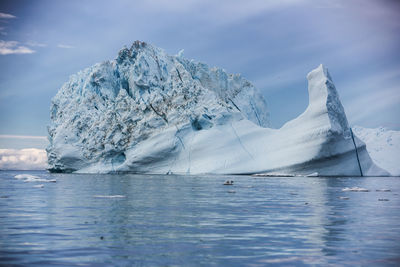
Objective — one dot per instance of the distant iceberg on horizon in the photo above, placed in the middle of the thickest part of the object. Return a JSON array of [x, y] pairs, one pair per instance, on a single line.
[[149, 112]]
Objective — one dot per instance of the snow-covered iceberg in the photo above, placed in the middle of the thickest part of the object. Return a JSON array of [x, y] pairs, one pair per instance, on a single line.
[[383, 145], [149, 112]]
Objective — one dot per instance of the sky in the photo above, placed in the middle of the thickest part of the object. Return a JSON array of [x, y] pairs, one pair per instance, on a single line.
[[274, 44]]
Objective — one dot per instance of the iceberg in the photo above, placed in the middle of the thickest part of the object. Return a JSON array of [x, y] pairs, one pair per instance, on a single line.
[[383, 145], [150, 112]]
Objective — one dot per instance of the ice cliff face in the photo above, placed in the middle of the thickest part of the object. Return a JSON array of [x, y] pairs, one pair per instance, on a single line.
[[149, 112]]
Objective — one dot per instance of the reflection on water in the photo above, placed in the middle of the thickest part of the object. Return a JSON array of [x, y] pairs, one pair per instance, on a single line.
[[157, 220]]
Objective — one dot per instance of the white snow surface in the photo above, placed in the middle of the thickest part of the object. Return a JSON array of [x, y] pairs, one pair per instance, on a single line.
[[383, 145], [148, 112]]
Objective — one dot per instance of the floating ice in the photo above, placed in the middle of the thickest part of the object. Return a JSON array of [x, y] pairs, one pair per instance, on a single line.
[[33, 178], [108, 196], [149, 112], [355, 189], [383, 190], [26, 176]]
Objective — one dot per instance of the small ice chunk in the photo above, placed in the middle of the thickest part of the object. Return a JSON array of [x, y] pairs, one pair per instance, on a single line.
[[109, 196], [33, 178], [344, 198], [26, 176], [355, 189], [40, 180], [39, 186], [274, 174]]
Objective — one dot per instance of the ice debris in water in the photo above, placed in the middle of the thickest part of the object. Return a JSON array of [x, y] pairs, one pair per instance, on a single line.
[[26, 176], [108, 196], [355, 189], [33, 178]]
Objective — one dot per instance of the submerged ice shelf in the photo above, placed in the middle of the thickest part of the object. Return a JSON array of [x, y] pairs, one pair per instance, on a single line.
[[149, 112]]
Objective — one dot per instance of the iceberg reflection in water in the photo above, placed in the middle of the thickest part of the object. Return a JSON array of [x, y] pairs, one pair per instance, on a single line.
[[157, 220]]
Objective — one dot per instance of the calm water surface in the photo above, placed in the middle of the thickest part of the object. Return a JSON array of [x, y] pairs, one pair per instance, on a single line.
[[167, 220]]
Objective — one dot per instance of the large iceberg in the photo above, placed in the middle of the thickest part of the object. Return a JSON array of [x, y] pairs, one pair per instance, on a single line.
[[149, 112]]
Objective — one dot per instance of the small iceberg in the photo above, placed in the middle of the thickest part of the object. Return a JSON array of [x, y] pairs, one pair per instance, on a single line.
[[355, 189]]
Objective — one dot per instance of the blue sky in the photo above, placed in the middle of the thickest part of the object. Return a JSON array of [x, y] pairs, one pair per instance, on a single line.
[[274, 44]]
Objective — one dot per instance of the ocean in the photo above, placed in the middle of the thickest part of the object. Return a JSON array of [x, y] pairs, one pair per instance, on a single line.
[[175, 220]]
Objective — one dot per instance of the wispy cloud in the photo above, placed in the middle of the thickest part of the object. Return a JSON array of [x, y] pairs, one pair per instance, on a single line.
[[23, 159], [375, 101], [3, 31], [6, 16], [23, 136], [220, 12], [328, 4], [370, 97], [13, 47], [65, 46], [36, 44]]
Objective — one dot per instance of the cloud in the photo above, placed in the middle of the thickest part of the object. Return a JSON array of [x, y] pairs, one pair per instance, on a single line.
[[12, 47], [328, 4], [23, 159], [2, 31], [36, 44], [6, 16], [223, 12], [370, 105], [376, 97], [23, 136], [65, 46]]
